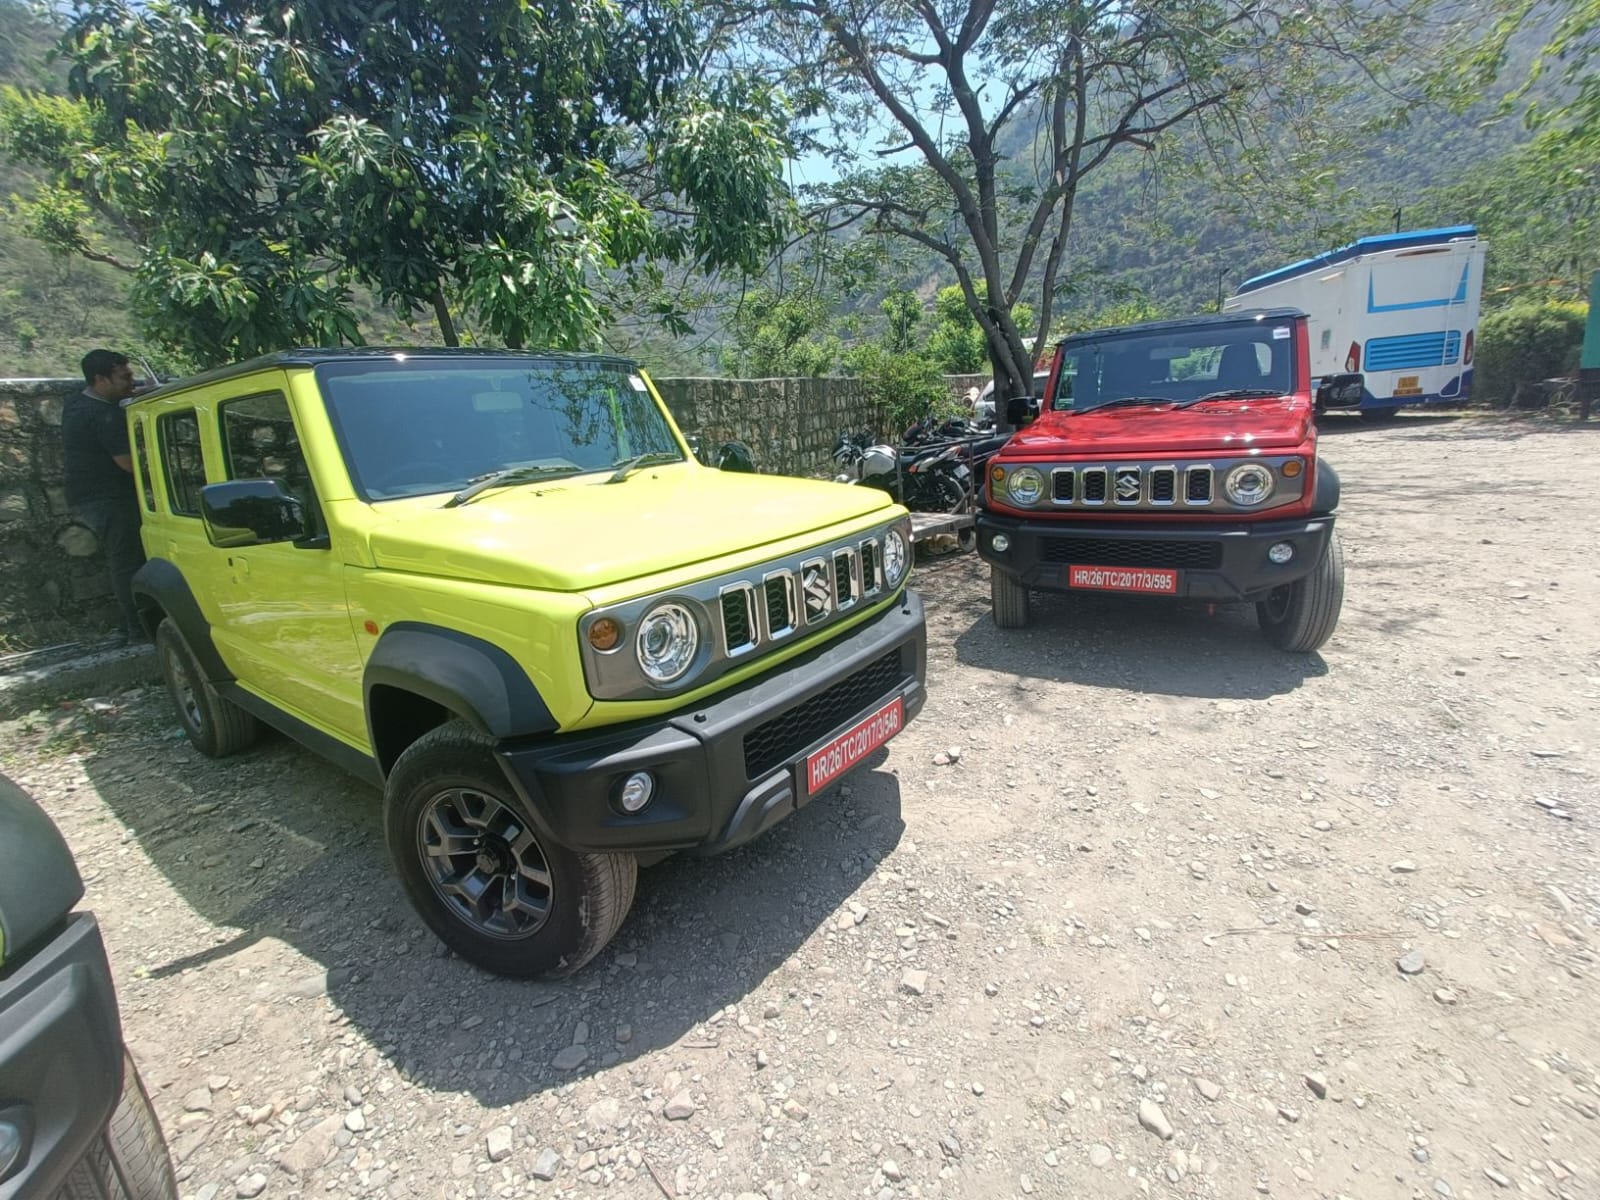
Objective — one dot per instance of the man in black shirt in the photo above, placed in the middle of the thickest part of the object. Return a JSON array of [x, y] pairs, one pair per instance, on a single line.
[[99, 467]]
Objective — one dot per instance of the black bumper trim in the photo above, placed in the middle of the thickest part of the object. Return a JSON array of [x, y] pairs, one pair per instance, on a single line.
[[1242, 572], [705, 800], [60, 1054]]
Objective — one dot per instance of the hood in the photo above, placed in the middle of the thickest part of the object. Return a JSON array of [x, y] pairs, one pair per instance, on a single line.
[[1271, 424], [575, 534]]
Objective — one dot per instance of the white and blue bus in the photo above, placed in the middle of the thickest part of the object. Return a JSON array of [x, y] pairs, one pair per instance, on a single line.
[[1399, 308]]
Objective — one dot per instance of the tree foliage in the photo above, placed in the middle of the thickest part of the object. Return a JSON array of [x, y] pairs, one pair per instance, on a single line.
[[939, 83], [781, 336], [508, 164]]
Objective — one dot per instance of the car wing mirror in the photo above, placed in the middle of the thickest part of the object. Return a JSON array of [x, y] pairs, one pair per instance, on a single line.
[[1020, 410], [1340, 391], [252, 512], [736, 456]]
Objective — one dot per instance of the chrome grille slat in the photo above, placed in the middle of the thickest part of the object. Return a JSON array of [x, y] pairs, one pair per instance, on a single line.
[[740, 631], [778, 612], [846, 578], [1063, 485], [1198, 485], [1093, 486], [1163, 485], [871, 568]]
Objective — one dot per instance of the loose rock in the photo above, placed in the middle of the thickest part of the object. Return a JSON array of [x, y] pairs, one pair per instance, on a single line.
[[497, 1143], [1410, 963], [1153, 1119], [680, 1107]]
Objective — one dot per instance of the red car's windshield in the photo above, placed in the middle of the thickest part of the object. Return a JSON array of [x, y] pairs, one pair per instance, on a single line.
[[1250, 358]]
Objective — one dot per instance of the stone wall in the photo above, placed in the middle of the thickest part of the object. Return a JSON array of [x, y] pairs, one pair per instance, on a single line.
[[53, 584]]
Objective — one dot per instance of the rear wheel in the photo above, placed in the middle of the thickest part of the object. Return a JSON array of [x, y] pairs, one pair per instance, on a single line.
[[138, 1150], [1301, 616], [216, 726], [1008, 599], [480, 875]]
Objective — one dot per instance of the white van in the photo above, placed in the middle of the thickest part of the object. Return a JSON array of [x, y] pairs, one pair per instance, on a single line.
[[1400, 309]]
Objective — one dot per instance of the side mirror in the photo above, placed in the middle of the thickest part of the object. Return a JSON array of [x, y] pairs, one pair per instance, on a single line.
[[1020, 410], [1340, 391], [736, 456], [251, 512], [694, 445]]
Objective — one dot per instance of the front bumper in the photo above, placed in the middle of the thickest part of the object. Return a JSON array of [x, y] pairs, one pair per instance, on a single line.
[[60, 1057], [729, 769], [1214, 561]]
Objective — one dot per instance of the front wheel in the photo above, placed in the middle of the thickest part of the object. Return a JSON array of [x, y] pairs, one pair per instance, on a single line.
[[1008, 599], [479, 874], [138, 1150], [1301, 616], [215, 725]]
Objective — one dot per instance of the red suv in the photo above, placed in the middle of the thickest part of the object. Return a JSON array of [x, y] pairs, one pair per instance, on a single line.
[[1175, 458]]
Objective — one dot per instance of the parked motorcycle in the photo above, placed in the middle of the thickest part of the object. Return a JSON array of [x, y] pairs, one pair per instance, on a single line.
[[930, 479]]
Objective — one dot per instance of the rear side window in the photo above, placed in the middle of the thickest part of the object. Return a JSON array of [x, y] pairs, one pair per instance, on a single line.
[[182, 463], [141, 461]]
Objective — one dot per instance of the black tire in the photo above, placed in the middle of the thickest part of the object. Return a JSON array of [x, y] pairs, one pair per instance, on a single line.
[[948, 496], [216, 726], [1301, 616], [138, 1150], [450, 775], [1008, 599]]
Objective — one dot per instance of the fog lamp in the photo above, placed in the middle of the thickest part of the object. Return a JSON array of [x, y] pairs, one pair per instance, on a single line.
[[637, 790], [1280, 552], [1000, 543]]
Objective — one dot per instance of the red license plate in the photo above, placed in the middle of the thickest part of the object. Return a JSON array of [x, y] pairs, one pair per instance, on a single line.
[[1160, 580], [854, 744]]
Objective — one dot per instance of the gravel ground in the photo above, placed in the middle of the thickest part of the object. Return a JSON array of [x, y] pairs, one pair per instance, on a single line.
[[1138, 905]]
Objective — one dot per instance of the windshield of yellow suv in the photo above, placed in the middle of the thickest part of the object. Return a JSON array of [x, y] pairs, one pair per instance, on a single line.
[[415, 426], [1176, 365]]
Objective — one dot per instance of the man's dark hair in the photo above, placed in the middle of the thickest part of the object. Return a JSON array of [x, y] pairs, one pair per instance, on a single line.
[[98, 363]]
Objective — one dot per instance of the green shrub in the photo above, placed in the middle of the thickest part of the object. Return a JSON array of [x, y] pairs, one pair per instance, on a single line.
[[1523, 344], [903, 387]]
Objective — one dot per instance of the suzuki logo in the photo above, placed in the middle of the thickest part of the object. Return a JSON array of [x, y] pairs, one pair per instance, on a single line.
[[1128, 484], [814, 585]]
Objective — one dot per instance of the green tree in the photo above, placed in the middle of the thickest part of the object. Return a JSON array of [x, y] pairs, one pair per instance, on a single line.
[[943, 84], [248, 162], [781, 336]]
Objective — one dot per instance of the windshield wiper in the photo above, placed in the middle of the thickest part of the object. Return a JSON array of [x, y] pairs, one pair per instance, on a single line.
[[495, 479], [1125, 402], [1229, 394], [642, 460]]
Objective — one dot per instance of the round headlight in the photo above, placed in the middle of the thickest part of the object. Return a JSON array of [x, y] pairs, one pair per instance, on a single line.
[[1025, 485], [896, 557], [1248, 484], [668, 638]]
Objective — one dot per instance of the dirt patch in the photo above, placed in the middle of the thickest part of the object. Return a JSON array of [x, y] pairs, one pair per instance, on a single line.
[[1123, 911]]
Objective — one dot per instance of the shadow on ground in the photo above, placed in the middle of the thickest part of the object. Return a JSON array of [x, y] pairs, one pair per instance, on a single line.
[[1131, 643], [278, 845]]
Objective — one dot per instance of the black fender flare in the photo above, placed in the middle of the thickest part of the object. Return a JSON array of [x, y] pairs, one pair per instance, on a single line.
[[472, 678], [160, 582], [1326, 496]]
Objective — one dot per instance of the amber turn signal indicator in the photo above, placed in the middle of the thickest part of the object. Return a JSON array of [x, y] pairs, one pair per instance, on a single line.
[[1291, 468], [605, 633]]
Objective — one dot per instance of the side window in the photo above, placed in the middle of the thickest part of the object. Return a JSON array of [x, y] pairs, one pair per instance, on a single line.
[[183, 465], [259, 442], [141, 465]]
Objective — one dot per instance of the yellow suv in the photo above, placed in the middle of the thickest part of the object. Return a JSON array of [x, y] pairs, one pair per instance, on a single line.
[[501, 587]]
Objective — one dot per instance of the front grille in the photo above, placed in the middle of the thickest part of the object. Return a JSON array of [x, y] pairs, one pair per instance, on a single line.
[[778, 592], [869, 568], [1197, 489], [1163, 485], [1118, 552], [785, 735], [1094, 485], [738, 619], [1062, 486], [844, 589]]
